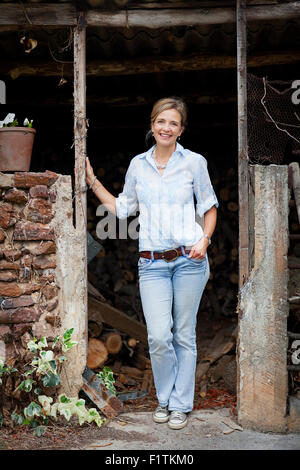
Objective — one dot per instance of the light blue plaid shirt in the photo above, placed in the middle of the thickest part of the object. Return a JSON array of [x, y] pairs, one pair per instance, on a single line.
[[166, 202]]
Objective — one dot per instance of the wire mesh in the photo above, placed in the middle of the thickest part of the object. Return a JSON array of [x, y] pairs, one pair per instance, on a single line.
[[273, 120]]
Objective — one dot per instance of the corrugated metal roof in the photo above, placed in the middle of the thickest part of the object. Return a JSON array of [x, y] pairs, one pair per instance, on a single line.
[[118, 43]]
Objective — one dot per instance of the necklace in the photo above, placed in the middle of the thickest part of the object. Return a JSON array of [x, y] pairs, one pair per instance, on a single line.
[[158, 165]]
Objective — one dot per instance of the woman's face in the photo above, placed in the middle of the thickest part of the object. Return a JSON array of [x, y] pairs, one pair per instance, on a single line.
[[167, 127]]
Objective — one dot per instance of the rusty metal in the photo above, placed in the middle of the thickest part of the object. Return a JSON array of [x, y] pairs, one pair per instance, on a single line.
[[96, 391]]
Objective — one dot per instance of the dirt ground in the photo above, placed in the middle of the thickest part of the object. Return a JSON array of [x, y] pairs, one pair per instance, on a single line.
[[65, 435]]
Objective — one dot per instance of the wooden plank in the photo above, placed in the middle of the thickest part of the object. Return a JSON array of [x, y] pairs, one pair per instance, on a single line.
[[202, 16], [65, 14], [41, 14], [147, 65], [117, 319], [80, 131], [262, 342], [242, 141]]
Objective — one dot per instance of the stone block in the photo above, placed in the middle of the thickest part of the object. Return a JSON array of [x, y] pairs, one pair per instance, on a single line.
[[20, 329], [52, 304], [38, 210], [5, 333], [19, 315], [27, 180], [49, 291], [8, 265], [39, 191], [12, 289], [15, 302], [43, 248], [8, 215], [33, 231], [6, 180], [43, 262], [12, 255], [8, 276], [17, 196]]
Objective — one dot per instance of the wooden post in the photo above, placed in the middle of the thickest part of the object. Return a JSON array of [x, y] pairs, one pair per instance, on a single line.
[[242, 140], [262, 337], [80, 133]]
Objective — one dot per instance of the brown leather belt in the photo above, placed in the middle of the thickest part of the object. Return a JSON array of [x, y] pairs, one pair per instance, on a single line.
[[166, 255]]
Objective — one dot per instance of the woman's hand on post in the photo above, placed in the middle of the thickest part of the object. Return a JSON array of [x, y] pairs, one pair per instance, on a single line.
[[89, 172], [198, 251]]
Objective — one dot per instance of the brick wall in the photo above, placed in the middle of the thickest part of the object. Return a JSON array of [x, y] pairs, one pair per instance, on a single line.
[[28, 287]]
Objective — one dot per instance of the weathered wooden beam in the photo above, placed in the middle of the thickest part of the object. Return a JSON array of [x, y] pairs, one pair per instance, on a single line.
[[171, 17], [146, 65], [80, 133], [126, 101], [263, 307], [38, 14], [243, 182], [194, 5], [65, 15], [117, 319]]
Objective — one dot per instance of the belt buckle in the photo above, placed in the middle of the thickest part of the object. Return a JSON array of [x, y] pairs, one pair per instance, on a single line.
[[173, 259]]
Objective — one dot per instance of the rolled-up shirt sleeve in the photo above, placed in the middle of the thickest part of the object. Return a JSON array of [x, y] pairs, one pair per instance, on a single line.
[[203, 189], [127, 202]]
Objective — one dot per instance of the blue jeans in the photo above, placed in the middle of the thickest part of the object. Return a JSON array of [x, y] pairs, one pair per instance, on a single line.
[[172, 338]]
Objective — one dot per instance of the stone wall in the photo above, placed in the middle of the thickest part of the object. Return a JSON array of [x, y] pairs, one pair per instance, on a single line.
[[28, 291], [42, 287]]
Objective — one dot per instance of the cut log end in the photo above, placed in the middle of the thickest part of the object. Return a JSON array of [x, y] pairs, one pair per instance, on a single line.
[[113, 343], [97, 353]]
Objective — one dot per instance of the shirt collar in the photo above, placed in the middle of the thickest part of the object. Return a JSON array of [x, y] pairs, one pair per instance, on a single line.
[[178, 149]]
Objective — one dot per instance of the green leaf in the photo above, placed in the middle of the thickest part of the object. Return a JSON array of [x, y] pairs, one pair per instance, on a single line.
[[39, 431], [34, 424], [26, 385], [66, 413], [1, 419], [53, 365], [37, 391], [17, 419], [80, 402], [51, 380], [64, 399], [32, 410], [67, 334], [28, 372]]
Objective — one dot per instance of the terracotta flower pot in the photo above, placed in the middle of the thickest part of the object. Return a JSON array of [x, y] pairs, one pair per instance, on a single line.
[[16, 148]]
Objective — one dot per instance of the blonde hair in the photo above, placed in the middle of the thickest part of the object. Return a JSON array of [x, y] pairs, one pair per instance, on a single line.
[[161, 105]]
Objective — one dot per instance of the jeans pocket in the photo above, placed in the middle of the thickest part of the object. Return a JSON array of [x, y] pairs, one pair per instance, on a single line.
[[144, 263], [196, 261]]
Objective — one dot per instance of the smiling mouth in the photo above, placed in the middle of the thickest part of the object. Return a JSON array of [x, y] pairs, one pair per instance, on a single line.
[[165, 135]]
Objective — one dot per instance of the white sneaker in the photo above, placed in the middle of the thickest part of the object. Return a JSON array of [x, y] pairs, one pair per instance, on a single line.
[[177, 420], [161, 414]]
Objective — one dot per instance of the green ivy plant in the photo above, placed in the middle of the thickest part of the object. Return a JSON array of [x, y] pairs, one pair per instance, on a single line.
[[43, 372], [107, 378], [11, 121]]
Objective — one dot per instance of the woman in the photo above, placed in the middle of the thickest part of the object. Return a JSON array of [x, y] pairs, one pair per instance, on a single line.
[[173, 265]]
